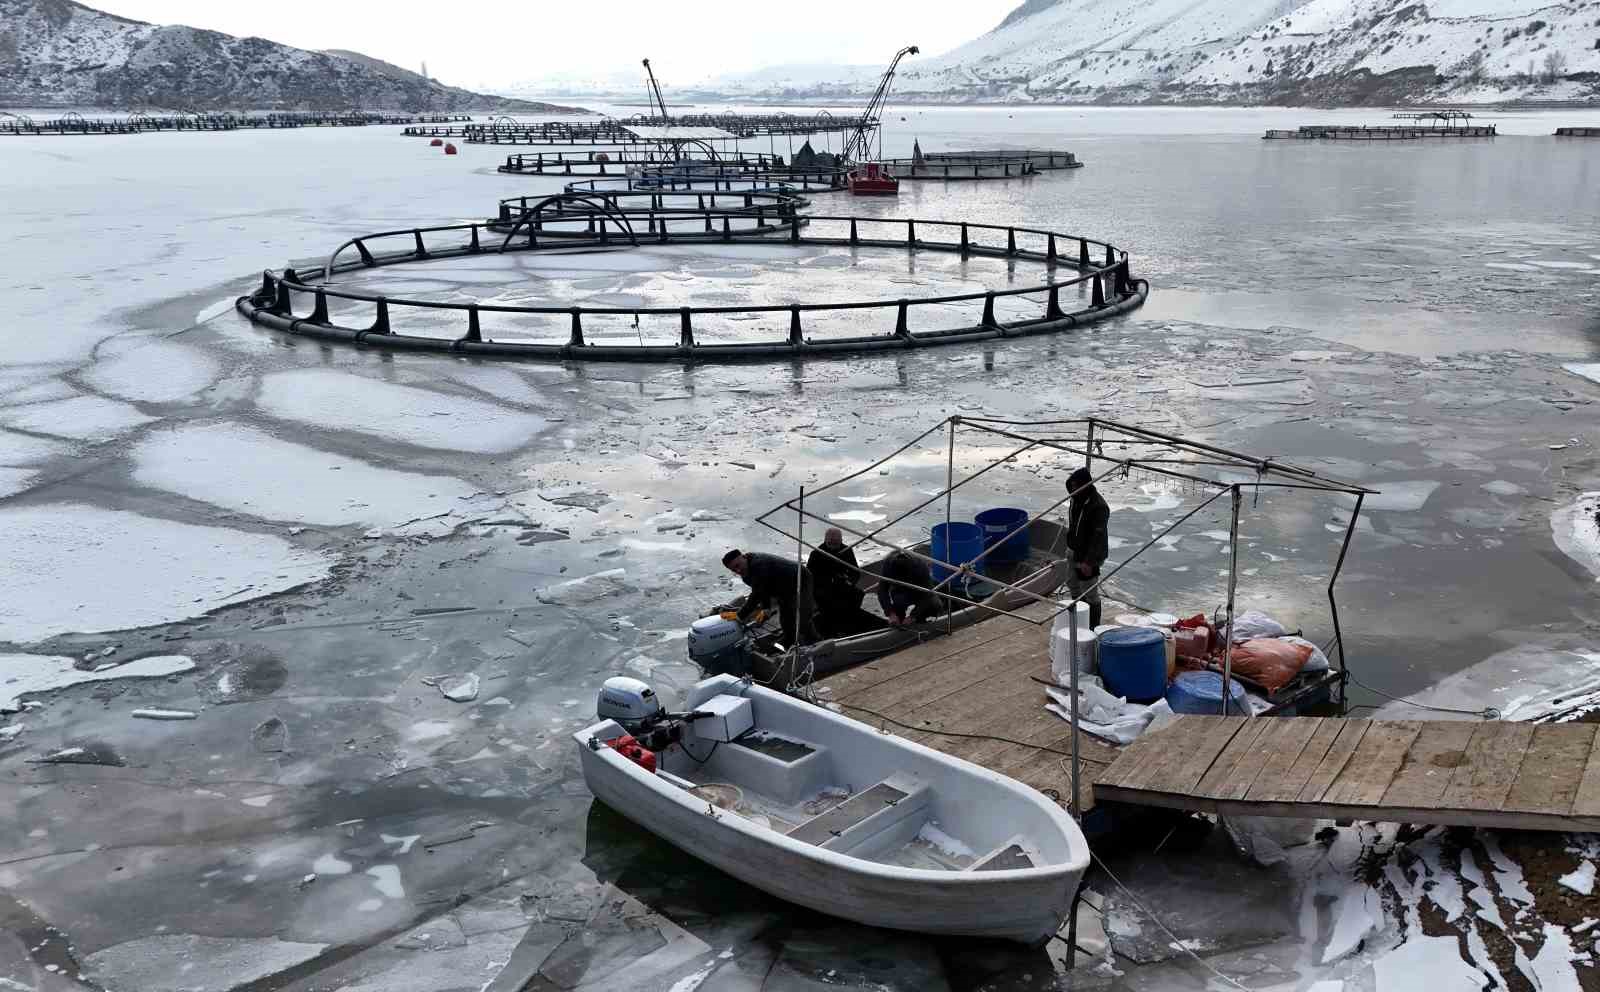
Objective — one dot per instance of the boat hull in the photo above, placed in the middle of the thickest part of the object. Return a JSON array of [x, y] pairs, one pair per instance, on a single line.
[[1026, 905]]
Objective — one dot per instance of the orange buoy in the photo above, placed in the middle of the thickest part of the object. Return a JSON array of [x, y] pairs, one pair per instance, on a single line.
[[449, 149], [436, 142]]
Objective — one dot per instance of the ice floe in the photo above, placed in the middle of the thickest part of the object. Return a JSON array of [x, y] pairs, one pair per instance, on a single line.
[[23, 449], [82, 418], [154, 372], [15, 480], [1576, 528], [30, 674], [249, 470], [184, 962], [1402, 497], [1588, 370], [70, 567], [587, 589], [406, 414]]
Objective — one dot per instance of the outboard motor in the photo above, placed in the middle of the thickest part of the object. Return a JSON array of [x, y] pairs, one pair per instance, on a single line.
[[635, 706], [719, 646]]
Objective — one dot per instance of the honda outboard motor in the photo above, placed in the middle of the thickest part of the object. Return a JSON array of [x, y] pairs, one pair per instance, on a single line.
[[635, 706], [719, 646]]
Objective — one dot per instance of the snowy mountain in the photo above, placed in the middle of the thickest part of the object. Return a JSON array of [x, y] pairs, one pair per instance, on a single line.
[[1255, 51], [59, 53]]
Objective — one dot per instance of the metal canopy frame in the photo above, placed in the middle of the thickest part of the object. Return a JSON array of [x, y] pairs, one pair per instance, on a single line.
[[1220, 471]]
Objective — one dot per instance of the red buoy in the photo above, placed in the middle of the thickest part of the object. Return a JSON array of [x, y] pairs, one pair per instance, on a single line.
[[449, 149], [436, 142]]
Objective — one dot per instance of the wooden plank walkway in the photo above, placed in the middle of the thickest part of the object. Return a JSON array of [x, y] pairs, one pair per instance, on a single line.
[[976, 681], [1491, 774]]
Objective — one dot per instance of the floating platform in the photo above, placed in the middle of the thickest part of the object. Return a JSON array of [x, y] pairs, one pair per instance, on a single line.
[[960, 689], [1381, 132], [1578, 132], [970, 165], [977, 681], [1520, 776]]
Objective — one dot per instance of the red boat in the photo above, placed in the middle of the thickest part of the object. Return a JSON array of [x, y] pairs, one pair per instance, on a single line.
[[872, 179]]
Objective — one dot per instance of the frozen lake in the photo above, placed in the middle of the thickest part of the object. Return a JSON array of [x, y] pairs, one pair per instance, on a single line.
[[319, 529]]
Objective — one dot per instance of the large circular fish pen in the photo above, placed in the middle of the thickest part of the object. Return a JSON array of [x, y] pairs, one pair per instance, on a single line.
[[1081, 279]]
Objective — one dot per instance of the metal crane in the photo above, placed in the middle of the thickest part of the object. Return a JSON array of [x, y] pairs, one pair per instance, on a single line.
[[858, 147], [655, 91]]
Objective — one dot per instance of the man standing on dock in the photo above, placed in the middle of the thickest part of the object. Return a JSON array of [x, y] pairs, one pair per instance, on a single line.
[[1088, 538]]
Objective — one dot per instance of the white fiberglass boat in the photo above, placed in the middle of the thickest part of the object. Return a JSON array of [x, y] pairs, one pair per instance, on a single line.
[[832, 814]]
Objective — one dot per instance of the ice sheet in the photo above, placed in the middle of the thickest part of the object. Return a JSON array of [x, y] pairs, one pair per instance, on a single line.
[[249, 470], [15, 480], [1400, 497], [1576, 528], [1426, 963], [83, 418], [155, 372], [70, 567], [27, 674], [150, 963], [22, 449], [325, 398]]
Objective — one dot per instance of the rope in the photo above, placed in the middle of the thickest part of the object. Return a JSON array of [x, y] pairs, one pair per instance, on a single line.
[[1487, 713], [1176, 942]]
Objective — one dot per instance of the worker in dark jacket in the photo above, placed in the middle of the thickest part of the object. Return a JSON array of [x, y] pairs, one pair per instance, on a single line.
[[772, 578], [834, 573], [909, 603], [1088, 539]]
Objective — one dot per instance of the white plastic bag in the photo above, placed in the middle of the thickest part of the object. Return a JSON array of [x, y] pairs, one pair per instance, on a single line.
[[1253, 623], [1318, 661]]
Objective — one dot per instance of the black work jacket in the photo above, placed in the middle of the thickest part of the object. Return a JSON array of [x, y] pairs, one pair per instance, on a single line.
[[906, 569], [769, 577], [1088, 526], [828, 573]]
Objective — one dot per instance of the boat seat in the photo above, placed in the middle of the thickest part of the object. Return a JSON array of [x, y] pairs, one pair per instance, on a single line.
[[866, 812], [1005, 858]]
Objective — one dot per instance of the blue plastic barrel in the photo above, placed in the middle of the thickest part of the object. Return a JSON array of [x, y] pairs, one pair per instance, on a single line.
[[1133, 663], [964, 543], [1200, 693], [996, 524]]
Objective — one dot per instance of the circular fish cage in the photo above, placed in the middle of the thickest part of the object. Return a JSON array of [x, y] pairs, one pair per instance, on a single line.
[[1084, 280]]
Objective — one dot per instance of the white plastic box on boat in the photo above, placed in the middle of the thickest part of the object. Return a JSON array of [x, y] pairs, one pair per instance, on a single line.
[[846, 820]]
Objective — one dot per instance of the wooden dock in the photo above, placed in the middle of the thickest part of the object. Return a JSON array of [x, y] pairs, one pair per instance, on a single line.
[[1484, 774], [1578, 132], [976, 681]]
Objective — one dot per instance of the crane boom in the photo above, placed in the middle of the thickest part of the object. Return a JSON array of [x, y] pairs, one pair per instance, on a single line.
[[655, 91], [859, 145]]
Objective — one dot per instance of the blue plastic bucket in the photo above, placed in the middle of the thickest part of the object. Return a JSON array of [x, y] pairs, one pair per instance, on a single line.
[[1133, 663], [1200, 693], [964, 543], [996, 524]]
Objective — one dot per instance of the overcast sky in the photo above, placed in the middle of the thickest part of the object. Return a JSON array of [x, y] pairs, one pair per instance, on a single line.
[[501, 42]]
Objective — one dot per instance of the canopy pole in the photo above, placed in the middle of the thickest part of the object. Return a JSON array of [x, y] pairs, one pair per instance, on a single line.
[[1072, 627], [1233, 583], [949, 494], [799, 572]]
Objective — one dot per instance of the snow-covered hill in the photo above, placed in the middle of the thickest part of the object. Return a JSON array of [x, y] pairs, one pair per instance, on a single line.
[[1258, 51], [60, 53]]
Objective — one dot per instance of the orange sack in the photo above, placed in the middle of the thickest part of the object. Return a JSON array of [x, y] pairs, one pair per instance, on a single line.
[[1269, 661]]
